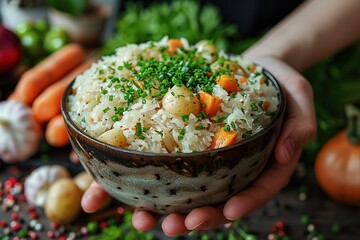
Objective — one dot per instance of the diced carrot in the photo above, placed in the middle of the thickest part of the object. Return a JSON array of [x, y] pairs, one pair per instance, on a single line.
[[56, 134], [173, 44], [228, 83], [252, 68], [223, 138], [47, 104], [243, 80], [262, 81], [50, 70], [266, 105], [209, 103]]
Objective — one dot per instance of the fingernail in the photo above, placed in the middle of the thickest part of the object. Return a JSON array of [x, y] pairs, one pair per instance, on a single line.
[[198, 226], [289, 148]]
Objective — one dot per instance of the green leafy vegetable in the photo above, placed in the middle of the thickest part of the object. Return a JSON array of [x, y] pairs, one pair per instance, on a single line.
[[71, 7], [176, 19]]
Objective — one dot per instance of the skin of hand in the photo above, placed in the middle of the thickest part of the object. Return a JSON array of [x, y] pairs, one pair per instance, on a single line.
[[298, 129]]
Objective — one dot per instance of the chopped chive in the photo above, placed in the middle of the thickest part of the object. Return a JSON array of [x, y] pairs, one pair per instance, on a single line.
[[226, 128], [185, 118], [182, 131], [253, 106], [199, 127], [233, 126], [115, 118], [216, 119], [180, 137], [111, 97], [105, 110], [83, 120], [103, 92], [138, 130], [160, 133]]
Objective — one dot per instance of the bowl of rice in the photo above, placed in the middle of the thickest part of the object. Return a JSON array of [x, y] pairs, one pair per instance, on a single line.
[[167, 126]]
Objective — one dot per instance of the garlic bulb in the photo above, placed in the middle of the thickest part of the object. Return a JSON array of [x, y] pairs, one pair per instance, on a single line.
[[20, 134], [39, 181]]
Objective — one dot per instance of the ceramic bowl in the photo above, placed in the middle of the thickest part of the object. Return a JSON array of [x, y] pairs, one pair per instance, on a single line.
[[165, 183]]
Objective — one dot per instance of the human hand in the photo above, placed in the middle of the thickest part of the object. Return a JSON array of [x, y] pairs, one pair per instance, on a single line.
[[298, 129]]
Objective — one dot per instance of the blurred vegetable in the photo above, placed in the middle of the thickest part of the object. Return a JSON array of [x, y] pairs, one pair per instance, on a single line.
[[62, 204], [10, 50], [176, 19], [47, 104], [74, 8], [19, 132], [38, 182], [34, 81], [55, 39], [38, 40], [337, 166], [56, 134]]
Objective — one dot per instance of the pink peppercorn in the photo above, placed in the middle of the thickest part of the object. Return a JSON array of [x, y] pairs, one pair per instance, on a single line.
[[50, 234], [14, 225], [3, 223], [33, 214], [14, 216], [33, 235]]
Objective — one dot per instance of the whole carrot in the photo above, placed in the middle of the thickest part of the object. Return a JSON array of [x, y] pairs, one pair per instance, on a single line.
[[55, 133], [50, 70], [47, 104]]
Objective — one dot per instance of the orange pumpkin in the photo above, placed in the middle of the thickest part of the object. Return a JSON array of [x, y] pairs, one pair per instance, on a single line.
[[337, 166]]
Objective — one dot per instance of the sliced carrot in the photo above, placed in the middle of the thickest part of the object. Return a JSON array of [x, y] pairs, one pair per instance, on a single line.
[[173, 44], [243, 80], [223, 138], [209, 103], [47, 104], [50, 70], [56, 134], [228, 83], [262, 81], [266, 105], [252, 68]]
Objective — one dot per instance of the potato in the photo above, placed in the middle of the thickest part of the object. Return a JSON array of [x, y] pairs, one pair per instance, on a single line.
[[181, 101], [83, 181], [62, 204], [114, 137]]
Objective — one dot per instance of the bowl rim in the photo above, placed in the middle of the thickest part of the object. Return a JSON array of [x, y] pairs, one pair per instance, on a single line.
[[278, 117]]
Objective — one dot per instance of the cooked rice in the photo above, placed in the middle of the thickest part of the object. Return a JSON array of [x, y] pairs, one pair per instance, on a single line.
[[97, 97]]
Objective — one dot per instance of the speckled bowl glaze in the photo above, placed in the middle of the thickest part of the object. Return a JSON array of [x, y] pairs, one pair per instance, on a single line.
[[165, 183]]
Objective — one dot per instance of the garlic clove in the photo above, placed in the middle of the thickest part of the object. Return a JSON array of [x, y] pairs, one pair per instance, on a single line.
[[39, 181]]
